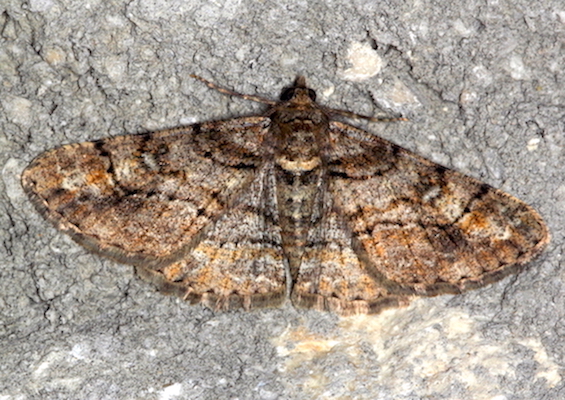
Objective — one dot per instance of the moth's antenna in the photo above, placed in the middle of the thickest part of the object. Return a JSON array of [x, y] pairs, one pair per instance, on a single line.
[[299, 82], [349, 114], [229, 92]]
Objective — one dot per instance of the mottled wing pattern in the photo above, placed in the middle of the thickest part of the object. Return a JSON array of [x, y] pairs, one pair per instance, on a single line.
[[160, 200], [420, 228], [238, 261], [333, 276]]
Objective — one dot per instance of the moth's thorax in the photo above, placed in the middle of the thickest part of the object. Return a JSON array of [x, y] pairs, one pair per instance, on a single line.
[[299, 133], [298, 146]]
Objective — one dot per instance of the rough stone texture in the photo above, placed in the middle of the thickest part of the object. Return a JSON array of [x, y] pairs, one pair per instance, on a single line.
[[483, 86]]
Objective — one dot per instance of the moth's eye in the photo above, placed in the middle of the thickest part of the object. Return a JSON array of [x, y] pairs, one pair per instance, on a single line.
[[287, 94], [312, 94]]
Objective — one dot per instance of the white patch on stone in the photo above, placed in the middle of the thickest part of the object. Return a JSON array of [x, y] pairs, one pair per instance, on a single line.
[[461, 28], [533, 144], [171, 391], [116, 68], [18, 110], [364, 60], [516, 68], [40, 5]]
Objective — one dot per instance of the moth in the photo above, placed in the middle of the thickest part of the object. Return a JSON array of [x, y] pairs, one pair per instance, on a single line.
[[250, 211]]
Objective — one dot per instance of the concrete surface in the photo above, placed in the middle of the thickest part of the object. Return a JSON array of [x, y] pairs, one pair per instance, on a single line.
[[484, 88]]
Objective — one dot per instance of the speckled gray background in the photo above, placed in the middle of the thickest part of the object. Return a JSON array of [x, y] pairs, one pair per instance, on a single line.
[[484, 88]]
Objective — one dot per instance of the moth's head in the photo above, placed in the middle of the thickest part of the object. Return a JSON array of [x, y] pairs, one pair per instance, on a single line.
[[299, 92]]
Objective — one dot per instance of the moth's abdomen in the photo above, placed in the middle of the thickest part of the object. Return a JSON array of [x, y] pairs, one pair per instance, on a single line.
[[298, 205]]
